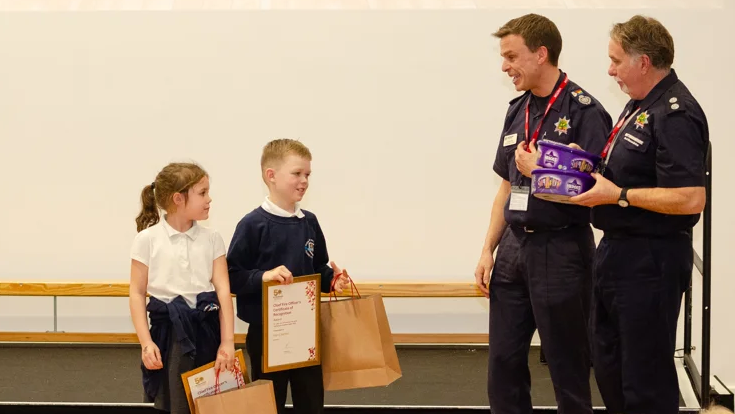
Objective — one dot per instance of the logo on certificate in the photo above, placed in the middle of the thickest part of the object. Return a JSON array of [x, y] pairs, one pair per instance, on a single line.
[[277, 293]]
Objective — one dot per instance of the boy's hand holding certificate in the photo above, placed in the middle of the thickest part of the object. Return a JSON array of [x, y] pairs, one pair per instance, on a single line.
[[280, 274]]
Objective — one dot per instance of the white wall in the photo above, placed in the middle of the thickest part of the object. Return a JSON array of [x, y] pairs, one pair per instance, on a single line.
[[402, 110]]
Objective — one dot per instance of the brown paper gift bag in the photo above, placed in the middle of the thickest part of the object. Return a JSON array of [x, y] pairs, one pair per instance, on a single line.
[[204, 380], [256, 397], [357, 344]]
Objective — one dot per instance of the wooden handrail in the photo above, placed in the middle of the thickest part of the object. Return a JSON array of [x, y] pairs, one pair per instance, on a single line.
[[131, 338], [121, 289]]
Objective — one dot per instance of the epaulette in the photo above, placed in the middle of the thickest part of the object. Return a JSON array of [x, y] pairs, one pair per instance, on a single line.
[[673, 104], [582, 98]]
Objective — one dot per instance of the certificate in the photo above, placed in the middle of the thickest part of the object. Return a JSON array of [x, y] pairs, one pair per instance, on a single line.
[[291, 324], [204, 381]]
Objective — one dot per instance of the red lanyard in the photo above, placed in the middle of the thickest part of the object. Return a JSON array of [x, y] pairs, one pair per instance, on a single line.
[[614, 133], [541, 121]]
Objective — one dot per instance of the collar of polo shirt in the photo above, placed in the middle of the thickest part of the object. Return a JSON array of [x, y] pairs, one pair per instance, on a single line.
[[272, 208], [192, 233]]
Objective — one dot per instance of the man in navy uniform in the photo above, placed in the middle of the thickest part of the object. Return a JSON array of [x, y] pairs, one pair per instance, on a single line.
[[541, 277], [647, 202]]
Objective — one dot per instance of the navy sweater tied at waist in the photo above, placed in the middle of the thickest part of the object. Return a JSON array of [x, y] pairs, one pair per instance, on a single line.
[[197, 332]]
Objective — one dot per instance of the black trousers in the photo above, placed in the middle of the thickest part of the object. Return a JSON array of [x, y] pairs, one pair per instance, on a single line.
[[638, 288], [307, 387], [541, 281]]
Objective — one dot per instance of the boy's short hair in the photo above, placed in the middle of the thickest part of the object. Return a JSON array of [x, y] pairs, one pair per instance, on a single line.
[[276, 151]]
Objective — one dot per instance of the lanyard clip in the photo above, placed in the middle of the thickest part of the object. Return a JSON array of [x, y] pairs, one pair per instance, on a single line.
[[601, 167]]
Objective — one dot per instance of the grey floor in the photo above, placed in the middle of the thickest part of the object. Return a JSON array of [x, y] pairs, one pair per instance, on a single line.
[[111, 374]]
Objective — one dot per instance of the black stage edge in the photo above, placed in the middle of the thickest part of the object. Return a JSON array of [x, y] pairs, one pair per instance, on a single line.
[[41, 409]]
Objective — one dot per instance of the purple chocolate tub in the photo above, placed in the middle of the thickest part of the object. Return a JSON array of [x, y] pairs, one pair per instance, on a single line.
[[562, 157], [558, 185]]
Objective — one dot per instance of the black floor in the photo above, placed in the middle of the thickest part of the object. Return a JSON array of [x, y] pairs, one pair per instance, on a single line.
[[102, 379], [111, 374]]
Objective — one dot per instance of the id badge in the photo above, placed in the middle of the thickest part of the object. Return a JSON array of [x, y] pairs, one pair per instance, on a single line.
[[519, 198]]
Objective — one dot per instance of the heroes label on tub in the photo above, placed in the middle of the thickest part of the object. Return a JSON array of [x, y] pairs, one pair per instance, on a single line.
[[550, 158]]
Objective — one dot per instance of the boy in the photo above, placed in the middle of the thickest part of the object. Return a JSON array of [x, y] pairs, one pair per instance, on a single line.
[[275, 242]]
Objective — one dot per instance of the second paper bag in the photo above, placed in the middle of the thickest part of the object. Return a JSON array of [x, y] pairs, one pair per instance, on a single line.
[[256, 397], [357, 344]]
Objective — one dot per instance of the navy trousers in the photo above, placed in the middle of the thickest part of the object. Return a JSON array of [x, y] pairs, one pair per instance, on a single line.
[[307, 388], [543, 281], [638, 288]]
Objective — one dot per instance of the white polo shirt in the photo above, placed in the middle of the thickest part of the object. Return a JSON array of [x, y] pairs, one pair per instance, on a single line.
[[178, 263]]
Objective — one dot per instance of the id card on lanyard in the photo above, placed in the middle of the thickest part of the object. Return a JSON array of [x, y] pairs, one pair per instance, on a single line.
[[612, 140]]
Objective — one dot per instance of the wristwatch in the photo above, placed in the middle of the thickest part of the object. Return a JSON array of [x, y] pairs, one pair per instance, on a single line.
[[623, 200]]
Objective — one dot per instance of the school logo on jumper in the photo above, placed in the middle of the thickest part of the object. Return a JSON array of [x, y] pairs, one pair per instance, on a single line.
[[574, 187], [309, 248], [581, 165], [562, 125], [211, 307], [550, 158], [548, 182], [641, 120]]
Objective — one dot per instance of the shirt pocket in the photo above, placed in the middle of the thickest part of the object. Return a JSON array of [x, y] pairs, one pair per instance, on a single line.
[[636, 142]]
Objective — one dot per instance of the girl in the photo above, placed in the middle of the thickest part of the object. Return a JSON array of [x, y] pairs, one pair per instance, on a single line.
[[182, 266]]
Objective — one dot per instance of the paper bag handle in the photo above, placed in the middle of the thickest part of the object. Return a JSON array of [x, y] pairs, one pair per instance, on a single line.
[[353, 288], [216, 383], [236, 372]]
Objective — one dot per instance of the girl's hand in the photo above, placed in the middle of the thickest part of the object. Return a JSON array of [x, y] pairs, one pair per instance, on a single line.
[[225, 357], [151, 356]]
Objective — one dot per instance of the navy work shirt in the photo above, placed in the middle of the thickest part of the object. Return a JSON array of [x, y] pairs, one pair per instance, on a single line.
[[575, 117], [663, 145]]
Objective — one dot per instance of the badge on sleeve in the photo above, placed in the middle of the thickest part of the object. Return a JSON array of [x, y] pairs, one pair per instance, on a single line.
[[581, 97]]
